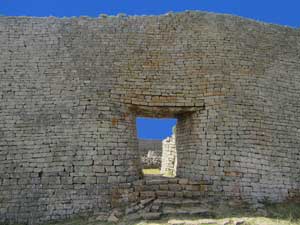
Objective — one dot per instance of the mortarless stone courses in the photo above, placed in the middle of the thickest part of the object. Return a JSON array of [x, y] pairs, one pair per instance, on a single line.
[[71, 88], [169, 156], [150, 152]]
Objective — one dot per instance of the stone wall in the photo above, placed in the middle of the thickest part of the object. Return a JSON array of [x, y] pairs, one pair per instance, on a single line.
[[169, 156], [170, 187], [71, 89], [150, 151]]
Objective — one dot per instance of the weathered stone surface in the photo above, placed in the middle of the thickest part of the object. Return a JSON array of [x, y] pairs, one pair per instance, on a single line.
[[151, 215], [151, 153], [186, 211], [71, 89], [112, 218], [169, 156]]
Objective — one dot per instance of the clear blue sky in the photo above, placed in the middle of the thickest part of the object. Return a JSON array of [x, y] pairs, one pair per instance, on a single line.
[[284, 12], [149, 128]]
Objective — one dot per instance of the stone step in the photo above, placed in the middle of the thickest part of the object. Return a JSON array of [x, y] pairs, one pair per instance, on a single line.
[[178, 201], [170, 194], [174, 202], [153, 208], [200, 211], [139, 205], [151, 215], [144, 215]]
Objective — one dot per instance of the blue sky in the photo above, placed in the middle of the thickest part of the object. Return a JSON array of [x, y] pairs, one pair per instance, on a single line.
[[149, 128], [284, 12]]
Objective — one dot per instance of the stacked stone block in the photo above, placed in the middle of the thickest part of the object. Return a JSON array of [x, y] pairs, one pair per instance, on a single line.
[[71, 89], [170, 187], [150, 152], [169, 156]]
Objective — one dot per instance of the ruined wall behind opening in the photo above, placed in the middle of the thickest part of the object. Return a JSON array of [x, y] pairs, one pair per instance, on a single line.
[[169, 156], [150, 152], [68, 86]]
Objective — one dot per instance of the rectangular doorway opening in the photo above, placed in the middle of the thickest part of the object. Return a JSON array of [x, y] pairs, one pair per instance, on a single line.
[[157, 145]]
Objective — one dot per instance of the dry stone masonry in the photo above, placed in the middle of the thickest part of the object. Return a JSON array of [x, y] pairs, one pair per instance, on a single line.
[[71, 88], [169, 156], [150, 152]]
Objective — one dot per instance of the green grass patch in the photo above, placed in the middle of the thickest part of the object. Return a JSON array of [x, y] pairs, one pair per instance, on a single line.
[[155, 171], [169, 174], [151, 171]]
